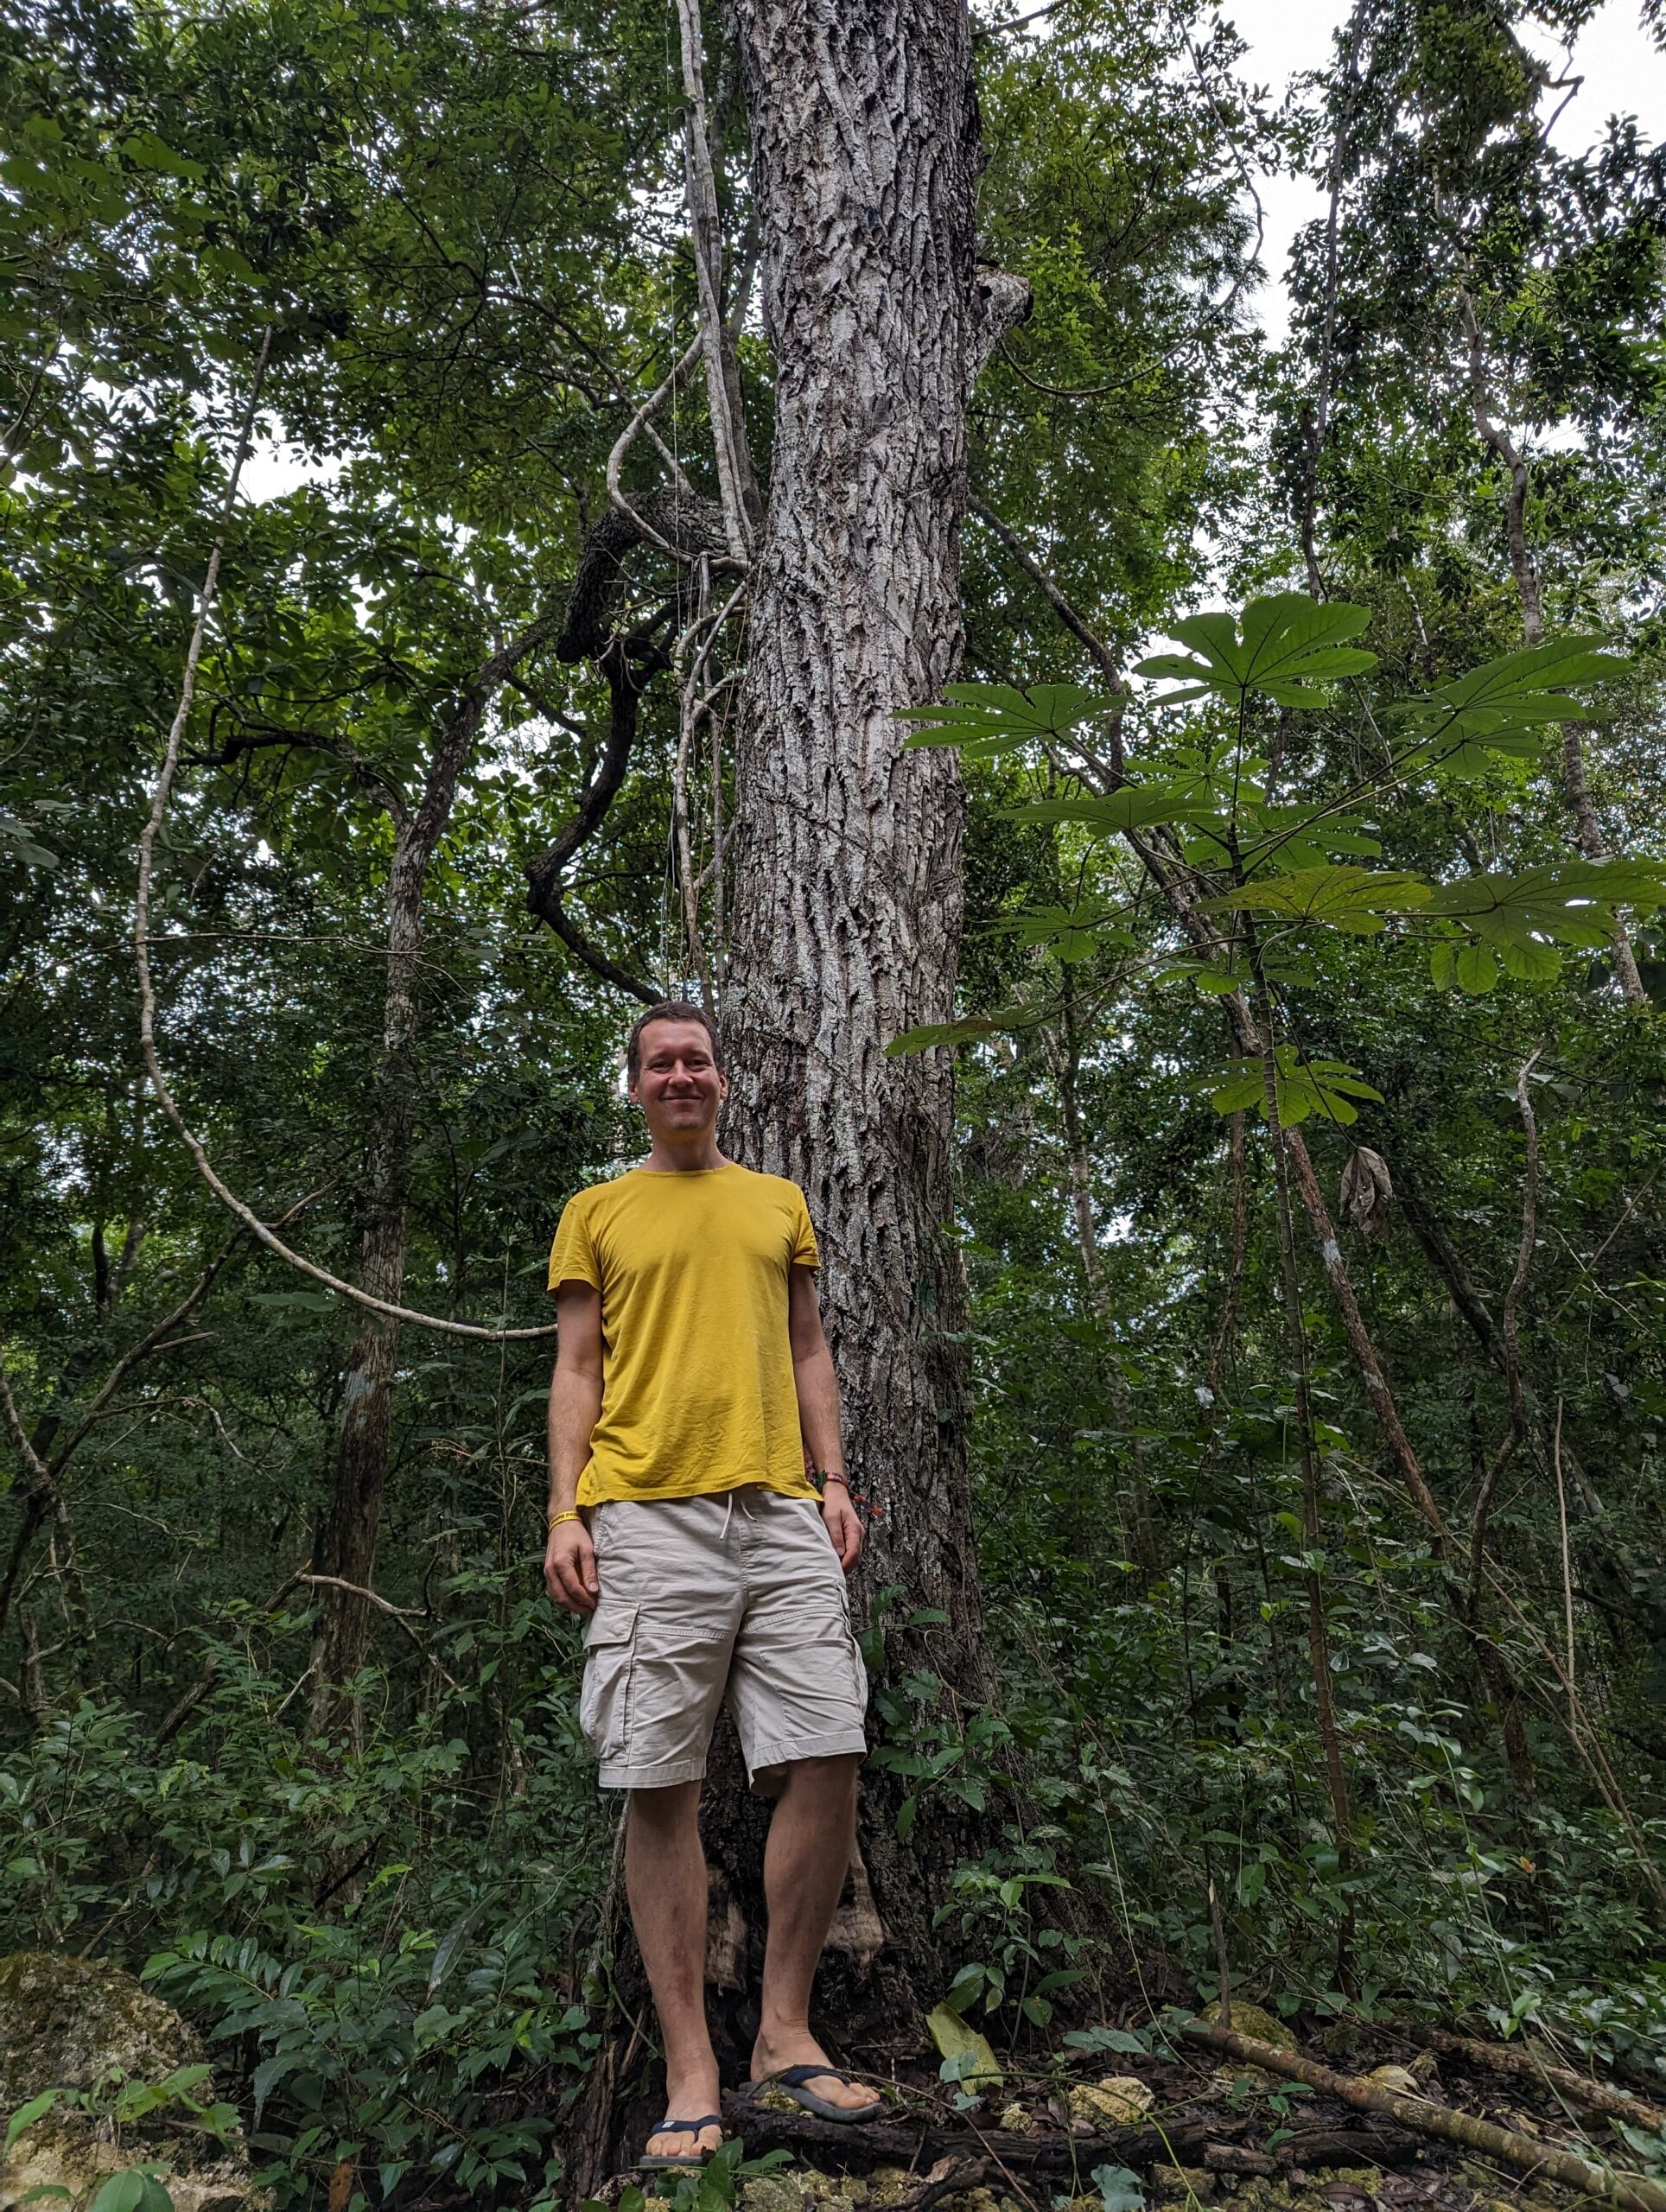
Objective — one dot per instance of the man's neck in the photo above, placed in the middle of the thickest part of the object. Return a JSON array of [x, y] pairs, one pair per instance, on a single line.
[[684, 1155]]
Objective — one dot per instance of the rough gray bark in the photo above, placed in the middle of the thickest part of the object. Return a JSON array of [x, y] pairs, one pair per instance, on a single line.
[[846, 911]]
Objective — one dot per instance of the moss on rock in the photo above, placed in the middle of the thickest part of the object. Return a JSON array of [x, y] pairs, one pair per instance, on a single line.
[[74, 2022], [88, 2025], [1251, 2020]]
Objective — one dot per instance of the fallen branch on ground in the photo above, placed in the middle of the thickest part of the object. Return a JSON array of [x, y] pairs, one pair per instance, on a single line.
[[948, 2178], [1514, 2058], [902, 2142], [1504, 2144]]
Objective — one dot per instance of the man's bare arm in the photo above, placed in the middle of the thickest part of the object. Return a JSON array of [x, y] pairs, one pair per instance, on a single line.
[[817, 1388], [569, 1564]]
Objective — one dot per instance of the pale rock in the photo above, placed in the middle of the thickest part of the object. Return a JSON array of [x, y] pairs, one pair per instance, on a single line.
[[83, 2024], [1119, 2101]]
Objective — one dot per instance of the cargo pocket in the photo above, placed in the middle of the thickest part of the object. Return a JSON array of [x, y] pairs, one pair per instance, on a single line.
[[859, 1672], [604, 1704]]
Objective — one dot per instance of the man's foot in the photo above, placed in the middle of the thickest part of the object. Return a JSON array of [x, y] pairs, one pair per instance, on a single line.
[[689, 2096], [773, 2053]]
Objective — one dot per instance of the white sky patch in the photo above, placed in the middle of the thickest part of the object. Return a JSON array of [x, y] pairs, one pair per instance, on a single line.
[[1624, 73], [274, 469]]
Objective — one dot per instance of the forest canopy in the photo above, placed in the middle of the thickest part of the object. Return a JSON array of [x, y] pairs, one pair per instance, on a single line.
[[1227, 928]]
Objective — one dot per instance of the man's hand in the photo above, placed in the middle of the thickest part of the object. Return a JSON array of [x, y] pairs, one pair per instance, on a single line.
[[840, 1520], [569, 1567]]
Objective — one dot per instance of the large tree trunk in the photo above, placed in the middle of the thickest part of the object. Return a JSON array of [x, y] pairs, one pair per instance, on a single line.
[[847, 899]]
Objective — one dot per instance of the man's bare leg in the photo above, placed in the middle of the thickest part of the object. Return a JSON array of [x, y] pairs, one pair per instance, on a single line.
[[806, 1862], [666, 1881]]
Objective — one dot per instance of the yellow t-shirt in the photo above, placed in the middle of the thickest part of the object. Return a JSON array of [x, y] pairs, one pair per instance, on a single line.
[[696, 1372]]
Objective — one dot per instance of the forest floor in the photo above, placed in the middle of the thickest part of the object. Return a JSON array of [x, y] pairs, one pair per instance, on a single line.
[[1204, 2132]]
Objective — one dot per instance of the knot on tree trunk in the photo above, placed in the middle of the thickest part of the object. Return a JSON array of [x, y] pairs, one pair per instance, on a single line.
[[1000, 301]]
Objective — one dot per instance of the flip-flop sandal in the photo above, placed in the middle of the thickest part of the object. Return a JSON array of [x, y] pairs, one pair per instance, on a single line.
[[793, 2078], [657, 2162]]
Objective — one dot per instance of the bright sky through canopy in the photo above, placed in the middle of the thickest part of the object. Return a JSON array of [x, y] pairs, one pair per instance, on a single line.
[[1624, 73]]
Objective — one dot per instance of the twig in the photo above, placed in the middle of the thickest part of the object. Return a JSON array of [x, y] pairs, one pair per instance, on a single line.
[[900, 2142], [403, 1614], [180, 1713], [1518, 1427], [627, 437], [734, 476], [1567, 1564]]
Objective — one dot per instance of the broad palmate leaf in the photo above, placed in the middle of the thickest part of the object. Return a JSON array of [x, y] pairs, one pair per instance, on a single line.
[[1501, 708], [1283, 648], [1304, 1086], [1518, 921], [974, 1027], [986, 719], [1135, 806], [1358, 899]]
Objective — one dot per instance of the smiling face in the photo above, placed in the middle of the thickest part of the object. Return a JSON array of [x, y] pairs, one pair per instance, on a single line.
[[677, 1084]]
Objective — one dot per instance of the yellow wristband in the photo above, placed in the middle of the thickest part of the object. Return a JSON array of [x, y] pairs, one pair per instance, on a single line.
[[555, 1519]]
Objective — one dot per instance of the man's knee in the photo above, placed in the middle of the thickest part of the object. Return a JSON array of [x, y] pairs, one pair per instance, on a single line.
[[830, 1777], [667, 1811]]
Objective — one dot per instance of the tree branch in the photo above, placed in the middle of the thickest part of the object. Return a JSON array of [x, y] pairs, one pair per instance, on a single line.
[[544, 893]]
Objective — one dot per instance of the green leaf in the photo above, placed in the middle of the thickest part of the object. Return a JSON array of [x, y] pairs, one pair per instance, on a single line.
[[146, 151], [963, 2047], [1500, 710], [37, 2108], [123, 2192], [1357, 899], [1283, 648], [968, 1032], [1572, 902], [965, 1990], [1476, 969], [446, 1949], [988, 719], [1120, 2189], [1124, 2041], [1135, 806], [1304, 1086], [1530, 963]]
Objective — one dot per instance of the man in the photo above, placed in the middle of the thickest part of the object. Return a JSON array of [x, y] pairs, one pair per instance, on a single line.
[[692, 1379]]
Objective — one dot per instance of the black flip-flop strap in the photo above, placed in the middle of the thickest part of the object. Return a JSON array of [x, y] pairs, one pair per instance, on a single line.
[[797, 2077], [686, 2126]]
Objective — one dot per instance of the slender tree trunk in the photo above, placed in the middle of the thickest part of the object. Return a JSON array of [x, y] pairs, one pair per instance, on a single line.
[[847, 902], [1139, 1526], [345, 1544]]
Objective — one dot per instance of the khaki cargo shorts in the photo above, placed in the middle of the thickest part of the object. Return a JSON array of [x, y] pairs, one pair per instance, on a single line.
[[738, 1595]]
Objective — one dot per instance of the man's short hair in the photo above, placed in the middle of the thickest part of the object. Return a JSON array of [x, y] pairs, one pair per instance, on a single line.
[[667, 1010]]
